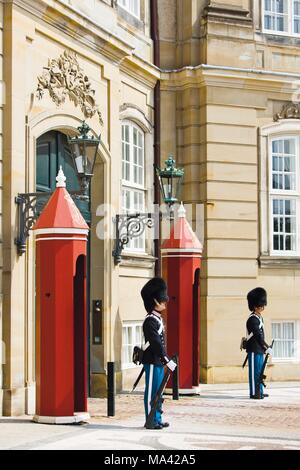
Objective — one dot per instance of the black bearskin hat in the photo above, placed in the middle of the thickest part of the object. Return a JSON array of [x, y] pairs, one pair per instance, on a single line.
[[156, 288], [257, 298]]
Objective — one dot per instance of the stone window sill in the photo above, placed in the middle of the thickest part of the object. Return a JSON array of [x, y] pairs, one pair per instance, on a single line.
[[130, 19], [279, 262], [139, 260]]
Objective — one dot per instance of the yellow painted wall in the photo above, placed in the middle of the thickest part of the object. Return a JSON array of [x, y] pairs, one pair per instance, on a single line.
[[2, 348], [216, 108], [115, 52]]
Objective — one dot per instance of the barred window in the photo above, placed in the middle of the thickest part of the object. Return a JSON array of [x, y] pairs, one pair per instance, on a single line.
[[132, 335], [132, 6], [133, 178], [284, 335], [284, 195], [281, 16], [132, 155]]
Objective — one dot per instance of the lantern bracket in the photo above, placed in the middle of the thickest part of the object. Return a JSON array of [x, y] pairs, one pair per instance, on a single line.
[[30, 206], [129, 227]]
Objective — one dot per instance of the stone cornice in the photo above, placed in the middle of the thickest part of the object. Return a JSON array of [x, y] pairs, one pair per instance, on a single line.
[[86, 31], [47, 10], [140, 70], [229, 77], [227, 13]]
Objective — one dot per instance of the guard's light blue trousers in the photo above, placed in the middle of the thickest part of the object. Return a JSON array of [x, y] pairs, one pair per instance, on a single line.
[[255, 361], [154, 377]]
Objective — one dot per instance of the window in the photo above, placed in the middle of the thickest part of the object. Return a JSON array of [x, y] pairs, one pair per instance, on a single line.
[[132, 6], [286, 340], [133, 189], [284, 196], [281, 16], [132, 335]]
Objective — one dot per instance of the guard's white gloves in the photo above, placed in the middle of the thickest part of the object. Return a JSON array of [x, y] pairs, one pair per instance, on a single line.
[[171, 365], [269, 351]]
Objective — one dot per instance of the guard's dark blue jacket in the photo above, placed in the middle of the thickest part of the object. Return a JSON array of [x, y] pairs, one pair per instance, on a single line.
[[153, 330], [256, 343]]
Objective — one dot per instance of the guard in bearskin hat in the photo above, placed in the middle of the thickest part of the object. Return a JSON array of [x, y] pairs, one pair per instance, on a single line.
[[155, 298], [256, 345]]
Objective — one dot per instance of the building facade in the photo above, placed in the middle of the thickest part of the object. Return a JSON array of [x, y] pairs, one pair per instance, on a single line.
[[230, 112], [229, 83], [2, 349], [66, 61]]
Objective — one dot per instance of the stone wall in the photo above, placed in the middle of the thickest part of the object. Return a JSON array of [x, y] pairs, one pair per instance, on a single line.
[[2, 96], [115, 54], [219, 90]]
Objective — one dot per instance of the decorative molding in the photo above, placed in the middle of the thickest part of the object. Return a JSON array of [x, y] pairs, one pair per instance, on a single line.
[[125, 106], [224, 12], [289, 111], [283, 126], [64, 77], [134, 113]]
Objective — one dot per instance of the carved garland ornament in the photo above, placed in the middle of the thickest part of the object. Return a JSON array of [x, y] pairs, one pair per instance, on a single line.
[[288, 111], [63, 77]]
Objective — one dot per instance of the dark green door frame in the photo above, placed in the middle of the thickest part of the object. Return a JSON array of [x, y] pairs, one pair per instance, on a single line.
[[52, 151]]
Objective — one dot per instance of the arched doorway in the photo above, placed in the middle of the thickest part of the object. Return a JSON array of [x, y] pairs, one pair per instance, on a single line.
[[52, 151]]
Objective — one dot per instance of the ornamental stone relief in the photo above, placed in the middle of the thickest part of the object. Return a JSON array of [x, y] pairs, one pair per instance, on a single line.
[[288, 111], [64, 77]]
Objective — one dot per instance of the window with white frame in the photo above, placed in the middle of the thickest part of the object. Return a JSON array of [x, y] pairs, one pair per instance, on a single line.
[[284, 195], [132, 6], [133, 169], [281, 16], [286, 340], [132, 335]]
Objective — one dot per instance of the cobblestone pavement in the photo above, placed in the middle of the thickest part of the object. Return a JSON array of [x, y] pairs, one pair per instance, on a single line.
[[220, 418]]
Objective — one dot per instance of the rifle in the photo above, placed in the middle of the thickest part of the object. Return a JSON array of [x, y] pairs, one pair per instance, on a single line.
[[245, 361], [155, 402], [262, 376]]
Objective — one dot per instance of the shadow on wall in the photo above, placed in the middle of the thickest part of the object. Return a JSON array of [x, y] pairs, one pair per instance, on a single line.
[[117, 353], [2, 353]]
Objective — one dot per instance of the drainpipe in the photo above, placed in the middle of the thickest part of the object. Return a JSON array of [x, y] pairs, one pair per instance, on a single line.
[[156, 60]]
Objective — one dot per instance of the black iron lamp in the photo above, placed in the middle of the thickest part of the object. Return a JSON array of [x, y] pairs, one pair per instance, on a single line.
[[130, 226], [84, 151], [170, 180]]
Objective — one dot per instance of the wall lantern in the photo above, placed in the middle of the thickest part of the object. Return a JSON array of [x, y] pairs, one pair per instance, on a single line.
[[84, 150], [130, 226], [170, 180]]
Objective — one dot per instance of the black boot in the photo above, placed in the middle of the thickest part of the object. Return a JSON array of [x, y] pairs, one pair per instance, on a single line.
[[154, 426], [257, 397]]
